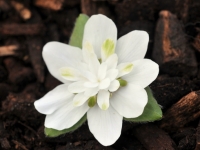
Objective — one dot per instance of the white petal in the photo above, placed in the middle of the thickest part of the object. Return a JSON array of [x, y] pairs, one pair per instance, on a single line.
[[112, 74], [124, 68], [80, 99], [70, 74], [57, 55], [77, 87], [129, 101], [66, 116], [91, 91], [89, 76], [105, 125], [91, 59], [97, 29], [84, 66], [114, 85], [104, 83], [112, 61], [144, 73], [102, 71], [87, 51], [53, 100], [91, 84], [103, 99], [132, 46]]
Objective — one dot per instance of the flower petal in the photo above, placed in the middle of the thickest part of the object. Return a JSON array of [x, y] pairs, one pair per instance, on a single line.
[[91, 91], [80, 99], [53, 100], [129, 101], [66, 116], [104, 125], [91, 84], [70, 74], [112, 61], [97, 29], [124, 68], [114, 85], [103, 99], [77, 87], [112, 74], [88, 75], [132, 46], [144, 73], [102, 71], [104, 83], [57, 55], [87, 50], [90, 57]]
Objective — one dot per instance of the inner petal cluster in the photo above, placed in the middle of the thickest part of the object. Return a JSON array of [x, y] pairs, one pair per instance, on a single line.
[[97, 78]]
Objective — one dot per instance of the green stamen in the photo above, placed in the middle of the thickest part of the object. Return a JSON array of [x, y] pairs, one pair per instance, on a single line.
[[108, 47], [92, 101], [122, 82], [100, 60]]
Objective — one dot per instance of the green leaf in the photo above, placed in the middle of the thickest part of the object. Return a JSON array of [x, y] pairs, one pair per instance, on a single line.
[[77, 34], [152, 110], [54, 133]]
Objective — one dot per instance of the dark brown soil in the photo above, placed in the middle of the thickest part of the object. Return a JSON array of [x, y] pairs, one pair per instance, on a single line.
[[26, 25]]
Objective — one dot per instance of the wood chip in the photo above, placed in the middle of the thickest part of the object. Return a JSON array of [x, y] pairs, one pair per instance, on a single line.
[[24, 12], [50, 4], [154, 138], [187, 109], [171, 48], [8, 50]]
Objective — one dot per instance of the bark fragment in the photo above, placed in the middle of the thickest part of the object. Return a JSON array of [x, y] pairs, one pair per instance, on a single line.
[[50, 4], [24, 12], [187, 109], [154, 138], [171, 48]]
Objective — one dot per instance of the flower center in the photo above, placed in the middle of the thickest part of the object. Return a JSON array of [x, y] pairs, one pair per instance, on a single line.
[[93, 79]]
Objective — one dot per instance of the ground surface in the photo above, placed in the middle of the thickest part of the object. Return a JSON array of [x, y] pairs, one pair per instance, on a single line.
[[26, 25]]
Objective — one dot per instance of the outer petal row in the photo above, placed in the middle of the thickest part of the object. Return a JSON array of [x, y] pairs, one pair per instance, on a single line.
[[144, 73], [132, 46], [57, 55], [129, 101], [105, 125], [59, 108], [66, 116], [97, 29], [54, 99]]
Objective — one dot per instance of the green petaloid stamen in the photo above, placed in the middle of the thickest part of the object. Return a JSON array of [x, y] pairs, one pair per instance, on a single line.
[[100, 60], [108, 47], [122, 82], [92, 101], [104, 107], [128, 68]]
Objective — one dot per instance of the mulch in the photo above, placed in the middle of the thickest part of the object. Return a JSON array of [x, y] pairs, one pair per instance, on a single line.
[[174, 29]]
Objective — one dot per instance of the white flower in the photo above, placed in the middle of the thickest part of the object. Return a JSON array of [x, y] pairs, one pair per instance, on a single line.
[[106, 80]]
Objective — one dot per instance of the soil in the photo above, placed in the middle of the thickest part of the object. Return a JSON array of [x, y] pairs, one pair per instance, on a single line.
[[174, 30]]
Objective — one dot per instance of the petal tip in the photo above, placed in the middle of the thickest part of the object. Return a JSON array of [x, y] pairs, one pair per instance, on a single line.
[[104, 106]]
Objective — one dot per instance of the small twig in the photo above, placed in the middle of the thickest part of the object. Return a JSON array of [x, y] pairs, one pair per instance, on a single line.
[[18, 144], [29, 128]]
